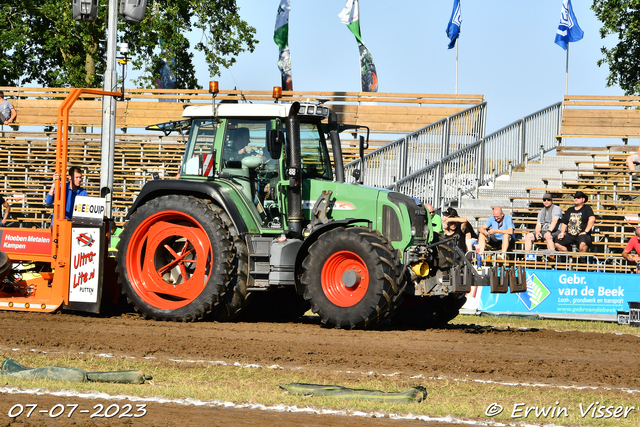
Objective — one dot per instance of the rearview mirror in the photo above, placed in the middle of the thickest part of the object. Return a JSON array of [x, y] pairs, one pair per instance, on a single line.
[[275, 139], [362, 146]]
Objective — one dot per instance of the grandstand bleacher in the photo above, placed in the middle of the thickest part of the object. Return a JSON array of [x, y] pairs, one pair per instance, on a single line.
[[28, 156], [28, 159], [602, 174]]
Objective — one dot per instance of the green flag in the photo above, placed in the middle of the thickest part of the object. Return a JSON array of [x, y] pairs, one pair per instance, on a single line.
[[281, 37], [350, 16]]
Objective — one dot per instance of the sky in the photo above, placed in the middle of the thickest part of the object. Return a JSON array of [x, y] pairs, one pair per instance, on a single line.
[[506, 51]]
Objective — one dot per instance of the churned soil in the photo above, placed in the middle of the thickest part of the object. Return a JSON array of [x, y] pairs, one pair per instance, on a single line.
[[456, 351]]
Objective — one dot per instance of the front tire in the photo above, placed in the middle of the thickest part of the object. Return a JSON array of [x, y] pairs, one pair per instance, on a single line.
[[174, 259], [351, 278]]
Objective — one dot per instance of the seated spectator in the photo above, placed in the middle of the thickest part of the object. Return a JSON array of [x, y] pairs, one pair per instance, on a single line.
[[632, 163], [577, 225], [456, 225], [7, 209], [436, 220], [498, 233], [633, 245], [7, 112], [547, 226]]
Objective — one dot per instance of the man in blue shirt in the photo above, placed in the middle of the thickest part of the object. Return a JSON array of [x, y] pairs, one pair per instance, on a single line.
[[497, 232], [73, 190]]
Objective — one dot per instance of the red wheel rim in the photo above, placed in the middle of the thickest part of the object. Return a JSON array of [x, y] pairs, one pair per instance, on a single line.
[[333, 272], [169, 260]]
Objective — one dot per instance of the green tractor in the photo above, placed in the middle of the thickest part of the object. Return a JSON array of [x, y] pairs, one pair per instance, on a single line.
[[259, 222]]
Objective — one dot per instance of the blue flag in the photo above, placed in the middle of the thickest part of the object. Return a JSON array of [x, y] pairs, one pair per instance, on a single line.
[[453, 29], [568, 30]]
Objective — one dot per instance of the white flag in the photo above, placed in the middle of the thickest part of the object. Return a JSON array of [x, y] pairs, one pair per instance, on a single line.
[[281, 37], [350, 16]]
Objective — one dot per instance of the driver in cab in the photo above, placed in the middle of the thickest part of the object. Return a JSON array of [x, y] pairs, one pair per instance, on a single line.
[[240, 147]]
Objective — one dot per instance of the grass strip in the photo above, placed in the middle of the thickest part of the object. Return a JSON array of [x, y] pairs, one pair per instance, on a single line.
[[205, 381], [551, 324]]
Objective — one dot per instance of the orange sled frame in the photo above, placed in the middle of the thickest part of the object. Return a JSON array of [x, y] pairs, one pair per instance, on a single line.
[[50, 248]]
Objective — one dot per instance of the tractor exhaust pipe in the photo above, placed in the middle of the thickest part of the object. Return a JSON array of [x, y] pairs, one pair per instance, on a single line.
[[294, 172], [336, 147]]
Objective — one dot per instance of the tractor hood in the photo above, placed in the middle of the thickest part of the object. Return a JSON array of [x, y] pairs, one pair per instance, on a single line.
[[395, 215]]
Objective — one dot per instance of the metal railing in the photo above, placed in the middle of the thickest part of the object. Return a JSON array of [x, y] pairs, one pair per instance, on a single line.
[[466, 170], [394, 161], [568, 261]]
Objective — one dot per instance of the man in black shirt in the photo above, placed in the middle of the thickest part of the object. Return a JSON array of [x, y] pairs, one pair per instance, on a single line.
[[455, 225], [577, 225]]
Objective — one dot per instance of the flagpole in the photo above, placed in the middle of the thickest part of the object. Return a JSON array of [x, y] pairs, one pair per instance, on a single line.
[[566, 76], [457, 43]]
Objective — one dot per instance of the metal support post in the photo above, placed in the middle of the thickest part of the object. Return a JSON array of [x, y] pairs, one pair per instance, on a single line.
[[109, 109]]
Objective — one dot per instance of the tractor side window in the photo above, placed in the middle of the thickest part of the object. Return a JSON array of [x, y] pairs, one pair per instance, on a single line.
[[200, 149]]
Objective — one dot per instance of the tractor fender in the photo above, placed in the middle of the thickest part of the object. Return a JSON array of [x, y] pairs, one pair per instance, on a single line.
[[202, 190], [315, 234]]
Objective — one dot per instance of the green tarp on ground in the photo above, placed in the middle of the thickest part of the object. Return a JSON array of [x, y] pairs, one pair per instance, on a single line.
[[11, 368], [414, 394]]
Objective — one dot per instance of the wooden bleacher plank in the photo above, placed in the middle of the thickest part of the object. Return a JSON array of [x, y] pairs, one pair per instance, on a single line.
[[595, 183], [395, 112], [600, 122], [392, 118], [590, 172], [622, 148], [574, 150], [608, 117], [587, 191]]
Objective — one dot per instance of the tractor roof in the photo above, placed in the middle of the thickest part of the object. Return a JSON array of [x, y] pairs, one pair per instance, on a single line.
[[254, 110]]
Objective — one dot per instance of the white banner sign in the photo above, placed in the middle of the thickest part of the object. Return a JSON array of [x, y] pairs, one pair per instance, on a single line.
[[85, 265], [89, 208]]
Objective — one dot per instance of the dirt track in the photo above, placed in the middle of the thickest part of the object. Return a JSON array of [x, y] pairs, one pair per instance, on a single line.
[[566, 358]]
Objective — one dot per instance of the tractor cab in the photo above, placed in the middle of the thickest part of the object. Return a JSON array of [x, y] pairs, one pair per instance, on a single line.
[[244, 149]]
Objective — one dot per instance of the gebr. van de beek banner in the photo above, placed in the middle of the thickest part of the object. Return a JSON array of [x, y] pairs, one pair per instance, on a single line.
[[562, 294]]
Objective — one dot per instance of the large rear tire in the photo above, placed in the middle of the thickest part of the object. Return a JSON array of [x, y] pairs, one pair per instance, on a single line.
[[235, 298], [174, 259], [351, 277]]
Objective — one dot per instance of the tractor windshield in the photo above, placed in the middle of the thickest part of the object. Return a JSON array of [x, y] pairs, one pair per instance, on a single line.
[[315, 156]]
